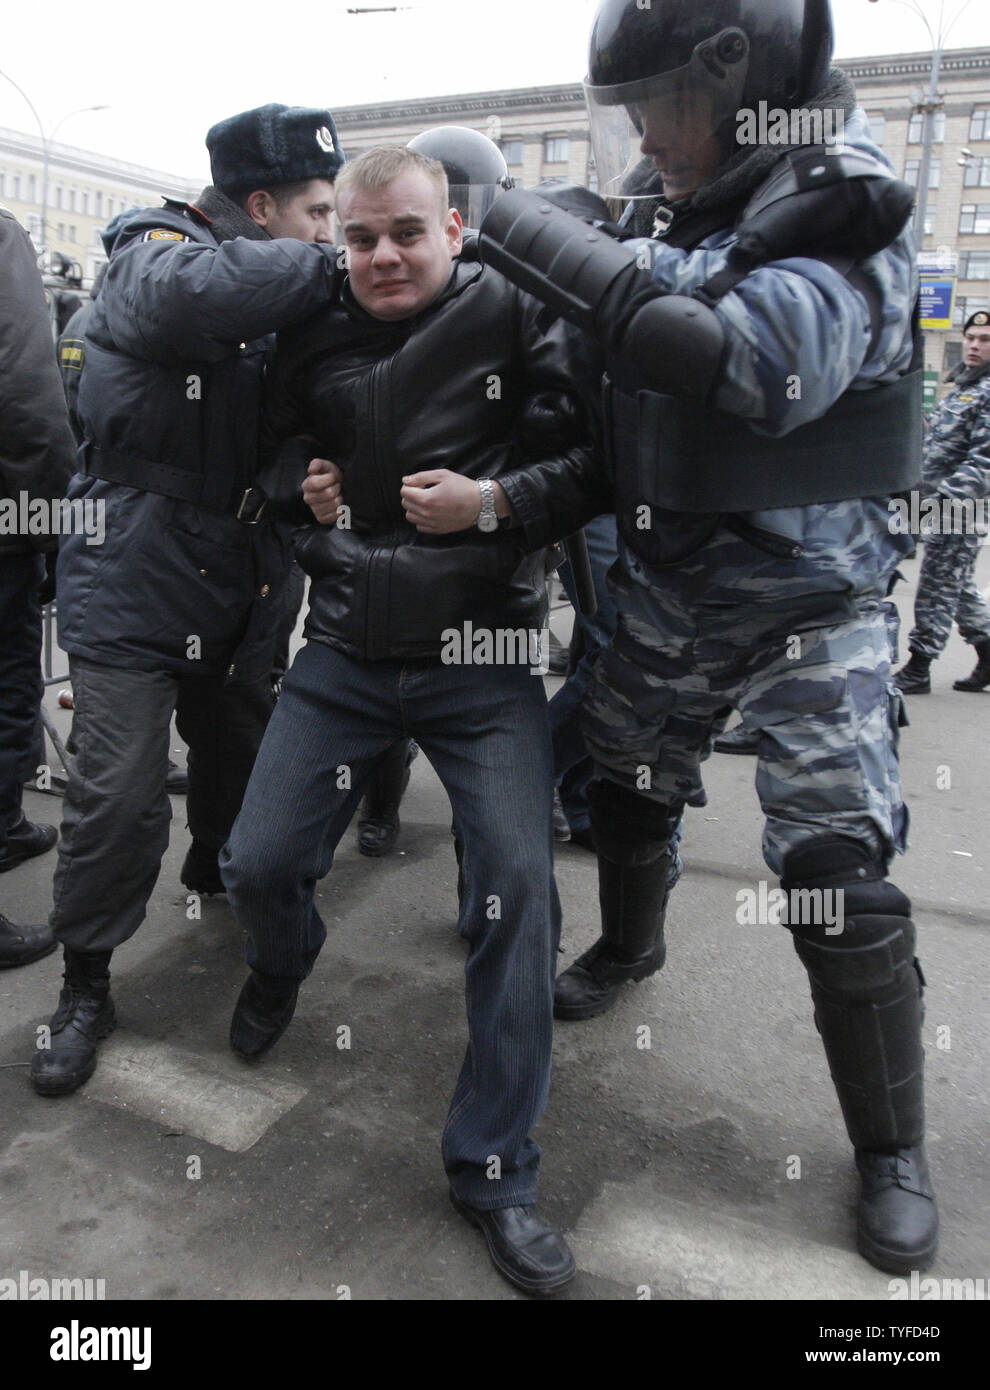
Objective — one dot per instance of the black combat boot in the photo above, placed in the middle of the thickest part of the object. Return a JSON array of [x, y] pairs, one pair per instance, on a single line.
[[85, 1014], [979, 678], [378, 827], [914, 678], [854, 934], [633, 901], [22, 945]]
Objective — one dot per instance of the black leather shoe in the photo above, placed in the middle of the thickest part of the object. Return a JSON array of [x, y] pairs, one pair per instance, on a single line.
[[85, 1014], [897, 1220], [200, 870], [377, 837], [22, 945], [378, 824], [25, 841], [263, 1012], [591, 985], [525, 1248], [176, 780]]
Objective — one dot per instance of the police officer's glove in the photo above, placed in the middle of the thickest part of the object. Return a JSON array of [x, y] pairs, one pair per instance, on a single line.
[[281, 482]]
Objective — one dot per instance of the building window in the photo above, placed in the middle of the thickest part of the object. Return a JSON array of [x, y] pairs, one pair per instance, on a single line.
[[60, 231], [72, 233], [912, 167], [916, 128], [977, 173], [17, 187], [32, 189], [979, 124], [974, 219], [512, 151], [952, 356], [878, 127], [72, 200], [98, 208], [974, 265], [929, 220], [966, 305], [556, 149]]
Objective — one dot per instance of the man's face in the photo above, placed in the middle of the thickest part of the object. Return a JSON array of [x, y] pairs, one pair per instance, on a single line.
[[399, 243], [976, 346], [306, 216], [679, 139]]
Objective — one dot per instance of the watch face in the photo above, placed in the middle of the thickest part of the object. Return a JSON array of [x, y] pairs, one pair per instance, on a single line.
[[488, 523]]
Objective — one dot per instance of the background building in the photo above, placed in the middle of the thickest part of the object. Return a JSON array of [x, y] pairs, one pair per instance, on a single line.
[[544, 132], [84, 192]]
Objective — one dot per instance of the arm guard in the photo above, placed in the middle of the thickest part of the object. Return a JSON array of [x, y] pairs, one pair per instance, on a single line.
[[586, 277]]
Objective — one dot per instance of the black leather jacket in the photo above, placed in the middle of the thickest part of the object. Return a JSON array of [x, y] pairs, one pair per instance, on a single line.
[[470, 384]]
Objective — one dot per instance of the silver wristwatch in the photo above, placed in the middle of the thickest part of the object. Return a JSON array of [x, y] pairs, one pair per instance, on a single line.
[[487, 519]]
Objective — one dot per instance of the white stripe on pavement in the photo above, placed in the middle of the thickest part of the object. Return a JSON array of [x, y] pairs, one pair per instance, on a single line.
[[678, 1250], [223, 1103]]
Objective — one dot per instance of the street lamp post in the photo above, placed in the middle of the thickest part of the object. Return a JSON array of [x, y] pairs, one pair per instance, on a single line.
[[46, 144], [929, 106]]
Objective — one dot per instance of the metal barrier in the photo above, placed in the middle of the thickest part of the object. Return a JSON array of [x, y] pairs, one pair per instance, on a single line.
[[58, 782]]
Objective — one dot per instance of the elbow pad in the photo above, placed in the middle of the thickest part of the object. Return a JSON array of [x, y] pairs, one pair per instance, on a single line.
[[673, 343]]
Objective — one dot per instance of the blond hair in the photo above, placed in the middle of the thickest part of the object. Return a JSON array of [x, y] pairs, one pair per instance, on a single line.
[[378, 167]]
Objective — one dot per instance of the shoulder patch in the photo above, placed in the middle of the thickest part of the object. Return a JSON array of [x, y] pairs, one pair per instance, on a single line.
[[163, 234], [72, 353]]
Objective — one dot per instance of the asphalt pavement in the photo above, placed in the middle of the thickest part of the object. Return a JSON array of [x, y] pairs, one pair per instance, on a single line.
[[692, 1147]]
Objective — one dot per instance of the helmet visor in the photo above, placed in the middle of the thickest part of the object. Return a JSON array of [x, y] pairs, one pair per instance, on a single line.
[[688, 103], [472, 201]]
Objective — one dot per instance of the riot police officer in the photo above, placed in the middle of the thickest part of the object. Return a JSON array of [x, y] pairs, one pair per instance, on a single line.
[[956, 473], [752, 486], [475, 167]]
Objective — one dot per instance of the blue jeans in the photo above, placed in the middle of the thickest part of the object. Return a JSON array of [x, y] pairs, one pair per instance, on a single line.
[[485, 731]]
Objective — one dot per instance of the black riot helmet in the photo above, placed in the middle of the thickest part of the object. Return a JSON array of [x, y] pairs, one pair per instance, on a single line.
[[714, 57], [476, 168]]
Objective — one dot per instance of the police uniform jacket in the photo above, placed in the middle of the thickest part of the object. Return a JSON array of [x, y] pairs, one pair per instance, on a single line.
[[473, 385], [36, 450], [957, 450], [169, 405]]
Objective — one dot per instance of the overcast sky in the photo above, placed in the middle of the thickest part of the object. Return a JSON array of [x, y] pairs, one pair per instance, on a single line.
[[168, 71]]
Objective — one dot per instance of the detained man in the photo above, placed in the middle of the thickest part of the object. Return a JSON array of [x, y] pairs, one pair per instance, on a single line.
[[451, 490]]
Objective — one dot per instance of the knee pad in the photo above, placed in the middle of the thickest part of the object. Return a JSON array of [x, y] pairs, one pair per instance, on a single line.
[[852, 929], [628, 827]]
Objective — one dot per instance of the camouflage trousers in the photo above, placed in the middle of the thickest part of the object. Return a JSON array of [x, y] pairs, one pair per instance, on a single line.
[[946, 594], [809, 668]]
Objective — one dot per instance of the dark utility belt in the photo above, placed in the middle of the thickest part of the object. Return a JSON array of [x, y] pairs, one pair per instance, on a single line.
[[201, 489], [690, 458]]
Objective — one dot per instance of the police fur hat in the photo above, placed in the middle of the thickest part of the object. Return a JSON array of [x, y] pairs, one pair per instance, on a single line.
[[978, 320], [272, 145]]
